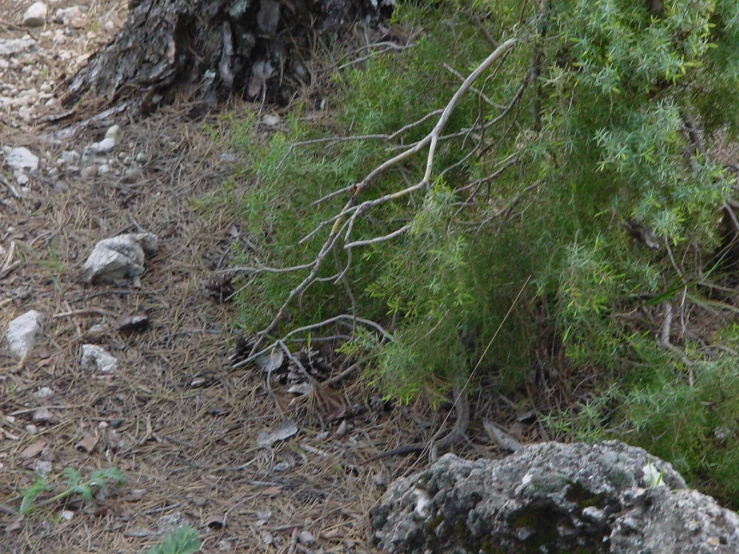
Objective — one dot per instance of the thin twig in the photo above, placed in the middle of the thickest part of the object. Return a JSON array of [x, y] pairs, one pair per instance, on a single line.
[[404, 229], [10, 186], [87, 311], [341, 376], [339, 319], [344, 281], [263, 269], [9, 257], [664, 342], [476, 90]]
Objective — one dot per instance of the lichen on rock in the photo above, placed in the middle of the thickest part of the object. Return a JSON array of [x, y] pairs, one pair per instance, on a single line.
[[553, 497]]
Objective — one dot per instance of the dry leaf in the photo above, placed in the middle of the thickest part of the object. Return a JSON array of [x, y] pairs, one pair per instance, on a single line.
[[283, 431], [168, 231], [87, 444], [270, 361], [301, 388], [501, 438], [33, 450], [133, 323], [215, 522]]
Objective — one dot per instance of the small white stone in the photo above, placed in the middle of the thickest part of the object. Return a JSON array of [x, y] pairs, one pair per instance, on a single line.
[[114, 133], [306, 538], [43, 392], [132, 173], [95, 357], [42, 415], [9, 47], [20, 177], [22, 158], [42, 467], [25, 113], [103, 169], [35, 15], [106, 145], [65, 15], [69, 156], [141, 157], [88, 154]]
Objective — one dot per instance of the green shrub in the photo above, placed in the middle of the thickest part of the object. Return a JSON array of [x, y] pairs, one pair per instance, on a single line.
[[520, 232]]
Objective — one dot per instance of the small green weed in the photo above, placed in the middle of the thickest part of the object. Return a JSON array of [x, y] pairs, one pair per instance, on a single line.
[[73, 484], [183, 540]]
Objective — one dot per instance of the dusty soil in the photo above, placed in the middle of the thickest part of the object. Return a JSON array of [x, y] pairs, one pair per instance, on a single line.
[[175, 417]]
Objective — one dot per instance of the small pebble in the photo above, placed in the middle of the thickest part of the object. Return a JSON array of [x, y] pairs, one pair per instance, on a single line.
[[43, 392], [106, 145], [42, 415], [306, 538]]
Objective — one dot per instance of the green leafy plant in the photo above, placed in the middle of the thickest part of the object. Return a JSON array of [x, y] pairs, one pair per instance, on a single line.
[[73, 484], [183, 540], [580, 168]]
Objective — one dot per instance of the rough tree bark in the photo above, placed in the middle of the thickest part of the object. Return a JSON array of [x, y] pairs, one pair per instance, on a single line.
[[209, 49]]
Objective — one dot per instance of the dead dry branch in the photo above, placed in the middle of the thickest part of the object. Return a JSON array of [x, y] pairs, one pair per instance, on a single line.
[[343, 223]]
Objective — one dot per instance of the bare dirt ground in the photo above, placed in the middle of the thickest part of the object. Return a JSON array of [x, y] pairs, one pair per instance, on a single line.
[[179, 422]]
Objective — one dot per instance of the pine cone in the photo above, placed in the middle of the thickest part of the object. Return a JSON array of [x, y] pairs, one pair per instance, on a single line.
[[219, 287], [241, 349], [312, 361]]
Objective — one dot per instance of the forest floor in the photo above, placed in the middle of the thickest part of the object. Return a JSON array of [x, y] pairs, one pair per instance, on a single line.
[[175, 418]]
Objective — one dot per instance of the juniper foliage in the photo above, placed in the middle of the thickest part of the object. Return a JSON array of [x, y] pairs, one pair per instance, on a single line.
[[608, 114]]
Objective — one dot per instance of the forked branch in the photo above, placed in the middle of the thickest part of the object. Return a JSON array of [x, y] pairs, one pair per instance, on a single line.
[[341, 227]]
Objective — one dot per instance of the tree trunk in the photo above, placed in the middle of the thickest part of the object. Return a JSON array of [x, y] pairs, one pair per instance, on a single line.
[[209, 49]]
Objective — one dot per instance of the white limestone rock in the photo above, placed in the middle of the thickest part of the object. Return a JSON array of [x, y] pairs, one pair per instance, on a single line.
[[22, 158], [23, 332], [35, 15], [12, 46], [114, 133], [119, 258], [106, 145], [96, 358]]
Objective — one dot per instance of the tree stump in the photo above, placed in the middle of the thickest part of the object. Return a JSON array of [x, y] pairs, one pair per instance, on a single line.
[[211, 49]]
